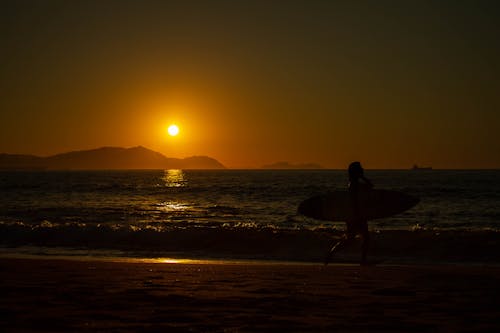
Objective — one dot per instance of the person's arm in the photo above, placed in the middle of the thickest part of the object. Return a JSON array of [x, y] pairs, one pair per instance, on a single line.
[[367, 181], [353, 198]]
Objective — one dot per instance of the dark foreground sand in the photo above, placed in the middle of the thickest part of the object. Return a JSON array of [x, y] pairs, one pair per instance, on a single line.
[[95, 296]]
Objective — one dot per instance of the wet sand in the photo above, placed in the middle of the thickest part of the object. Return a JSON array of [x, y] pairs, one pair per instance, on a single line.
[[98, 296]]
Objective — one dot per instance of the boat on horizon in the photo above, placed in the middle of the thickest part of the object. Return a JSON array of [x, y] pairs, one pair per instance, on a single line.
[[416, 167]]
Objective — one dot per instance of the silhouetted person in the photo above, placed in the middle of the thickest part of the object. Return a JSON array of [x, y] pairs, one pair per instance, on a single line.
[[355, 225]]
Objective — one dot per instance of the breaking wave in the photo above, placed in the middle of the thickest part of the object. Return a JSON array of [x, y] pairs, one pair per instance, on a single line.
[[252, 242]]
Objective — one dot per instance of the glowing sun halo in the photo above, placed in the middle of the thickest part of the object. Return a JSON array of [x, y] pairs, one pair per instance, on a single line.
[[173, 130]]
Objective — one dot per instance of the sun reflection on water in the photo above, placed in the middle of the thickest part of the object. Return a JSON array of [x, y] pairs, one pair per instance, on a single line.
[[172, 206], [172, 261], [174, 178]]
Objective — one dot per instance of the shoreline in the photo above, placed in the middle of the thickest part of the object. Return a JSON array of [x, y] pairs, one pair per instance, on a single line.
[[187, 260], [159, 260], [96, 296], [246, 245]]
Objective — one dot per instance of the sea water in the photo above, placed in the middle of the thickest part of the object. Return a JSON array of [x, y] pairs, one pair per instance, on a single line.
[[239, 213]]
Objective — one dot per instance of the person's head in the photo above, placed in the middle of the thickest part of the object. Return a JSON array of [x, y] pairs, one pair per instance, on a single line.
[[355, 170]]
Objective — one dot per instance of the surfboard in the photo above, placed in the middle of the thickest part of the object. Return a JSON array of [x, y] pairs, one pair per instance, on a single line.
[[372, 204]]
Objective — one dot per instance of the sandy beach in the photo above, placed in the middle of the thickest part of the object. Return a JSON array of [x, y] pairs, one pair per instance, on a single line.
[[103, 296]]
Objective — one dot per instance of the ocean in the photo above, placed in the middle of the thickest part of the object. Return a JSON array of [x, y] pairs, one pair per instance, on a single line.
[[241, 214]]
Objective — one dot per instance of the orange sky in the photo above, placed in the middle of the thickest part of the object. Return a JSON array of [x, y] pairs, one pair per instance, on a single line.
[[255, 82]]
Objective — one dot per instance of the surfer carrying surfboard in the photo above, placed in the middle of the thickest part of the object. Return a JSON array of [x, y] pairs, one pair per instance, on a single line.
[[355, 224], [356, 206]]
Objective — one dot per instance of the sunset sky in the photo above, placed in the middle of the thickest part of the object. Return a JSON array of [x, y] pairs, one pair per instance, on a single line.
[[389, 83]]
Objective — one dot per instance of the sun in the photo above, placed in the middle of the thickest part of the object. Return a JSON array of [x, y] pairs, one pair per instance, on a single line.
[[173, 130]]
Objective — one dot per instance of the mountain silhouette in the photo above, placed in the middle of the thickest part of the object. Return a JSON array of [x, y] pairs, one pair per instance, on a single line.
[[107, 158]]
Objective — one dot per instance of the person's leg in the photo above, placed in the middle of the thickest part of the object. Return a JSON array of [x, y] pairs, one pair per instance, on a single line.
[[342, 243], [366, 242]]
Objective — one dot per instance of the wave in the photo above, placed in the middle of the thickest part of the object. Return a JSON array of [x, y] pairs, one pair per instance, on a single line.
[[250, 241]]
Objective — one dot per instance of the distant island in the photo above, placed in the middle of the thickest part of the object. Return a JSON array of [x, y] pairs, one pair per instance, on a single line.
[[288, 165], [111, 158]]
